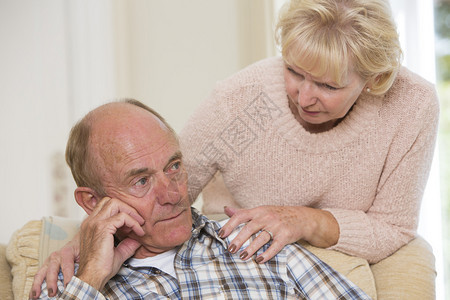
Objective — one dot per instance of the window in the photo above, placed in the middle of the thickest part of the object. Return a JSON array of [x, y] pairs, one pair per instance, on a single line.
[[442, 31], [424, 29]]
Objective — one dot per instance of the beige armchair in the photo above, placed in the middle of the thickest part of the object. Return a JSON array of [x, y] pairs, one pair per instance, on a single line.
[[392, 278]]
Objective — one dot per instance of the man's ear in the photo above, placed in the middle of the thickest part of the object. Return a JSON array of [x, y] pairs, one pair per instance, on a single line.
[[87, 198]]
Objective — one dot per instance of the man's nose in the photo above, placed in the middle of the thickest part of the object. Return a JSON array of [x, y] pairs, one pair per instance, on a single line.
[[166, 190]]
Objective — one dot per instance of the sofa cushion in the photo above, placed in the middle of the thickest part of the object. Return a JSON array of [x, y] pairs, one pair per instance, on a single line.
[[409, 271], [22, 254], [5, 276], [32, 244], [56, 232], [356, 269]]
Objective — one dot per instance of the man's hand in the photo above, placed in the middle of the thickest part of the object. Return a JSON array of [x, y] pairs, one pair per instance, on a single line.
[[96, 232], [99, 259]]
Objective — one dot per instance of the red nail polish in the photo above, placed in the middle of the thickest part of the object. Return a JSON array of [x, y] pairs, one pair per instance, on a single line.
[[221, 233], [243, 255], [259, 259], [232, 248]]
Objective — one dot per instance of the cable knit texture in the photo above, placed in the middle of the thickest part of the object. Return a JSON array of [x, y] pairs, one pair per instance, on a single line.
[[369, 171]]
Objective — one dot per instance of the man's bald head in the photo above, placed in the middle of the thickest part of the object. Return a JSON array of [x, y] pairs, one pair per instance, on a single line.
[[113, 117]]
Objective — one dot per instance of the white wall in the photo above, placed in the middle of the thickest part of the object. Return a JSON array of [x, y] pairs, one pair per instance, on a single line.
[[177, 50], [33, 114], [59, 59]]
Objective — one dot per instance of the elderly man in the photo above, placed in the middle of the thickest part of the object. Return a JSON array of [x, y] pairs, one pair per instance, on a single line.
[[131, 182]]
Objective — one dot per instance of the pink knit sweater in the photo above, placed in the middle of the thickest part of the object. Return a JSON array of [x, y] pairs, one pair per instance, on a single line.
[[369, 171]]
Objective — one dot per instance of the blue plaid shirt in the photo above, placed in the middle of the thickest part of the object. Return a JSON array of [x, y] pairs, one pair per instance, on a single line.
[[206, 270]]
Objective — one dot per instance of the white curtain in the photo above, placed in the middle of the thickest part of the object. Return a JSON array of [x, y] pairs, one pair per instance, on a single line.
[[415, 23]]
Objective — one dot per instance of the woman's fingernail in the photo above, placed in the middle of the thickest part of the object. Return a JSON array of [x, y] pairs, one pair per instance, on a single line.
[[221, 233], [259, 259], [243, 255], [232, 248], [50, 292]]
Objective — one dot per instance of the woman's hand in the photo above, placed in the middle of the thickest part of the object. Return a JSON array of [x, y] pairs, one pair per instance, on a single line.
[[287, 224], [63, 259]]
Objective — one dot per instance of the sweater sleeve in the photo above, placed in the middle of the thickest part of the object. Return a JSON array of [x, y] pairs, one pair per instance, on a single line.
[[392, 220], [202, 143]]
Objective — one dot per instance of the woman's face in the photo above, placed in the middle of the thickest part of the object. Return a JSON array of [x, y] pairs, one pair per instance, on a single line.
[[318, 103]]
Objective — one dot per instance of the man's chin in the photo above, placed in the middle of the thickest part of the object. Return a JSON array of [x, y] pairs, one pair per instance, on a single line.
[[165, 243], [163, 236], [175, 231]]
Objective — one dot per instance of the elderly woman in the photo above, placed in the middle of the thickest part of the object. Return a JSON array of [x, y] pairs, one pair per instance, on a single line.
[[330, 144]]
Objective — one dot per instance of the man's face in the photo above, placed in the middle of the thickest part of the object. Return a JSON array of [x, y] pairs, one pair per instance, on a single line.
[[142, 166]]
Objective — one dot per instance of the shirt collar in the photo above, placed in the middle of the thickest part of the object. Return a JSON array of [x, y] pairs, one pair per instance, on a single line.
[[202, 225]]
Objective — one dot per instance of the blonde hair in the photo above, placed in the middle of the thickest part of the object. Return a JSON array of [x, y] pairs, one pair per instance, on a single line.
[[328, 36], [81, 163]]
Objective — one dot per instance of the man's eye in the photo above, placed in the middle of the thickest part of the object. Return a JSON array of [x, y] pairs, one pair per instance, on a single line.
[[142, 181], [175, 170], [176, 165], [173, 167]]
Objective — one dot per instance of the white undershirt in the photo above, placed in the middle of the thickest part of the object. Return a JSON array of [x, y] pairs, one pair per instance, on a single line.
[[163, 262]]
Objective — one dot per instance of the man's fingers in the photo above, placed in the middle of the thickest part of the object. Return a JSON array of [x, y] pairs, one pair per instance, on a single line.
[[113, 214], [100, 204], [125, 220], [108, 207], [120, 207], [123, 251], [126, 249], [108, 216]]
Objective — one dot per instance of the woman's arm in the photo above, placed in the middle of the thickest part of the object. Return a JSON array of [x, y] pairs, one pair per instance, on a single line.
[[287, 224], [202, 142], [63, 259], [390, 219]]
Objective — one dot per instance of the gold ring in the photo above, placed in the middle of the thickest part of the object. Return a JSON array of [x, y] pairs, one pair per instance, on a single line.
[[270, 233]]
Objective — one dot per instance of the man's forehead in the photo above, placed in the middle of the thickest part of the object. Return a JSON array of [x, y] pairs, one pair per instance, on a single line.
[[153, 165], [156, 146], [122, 117], [122, 130]]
